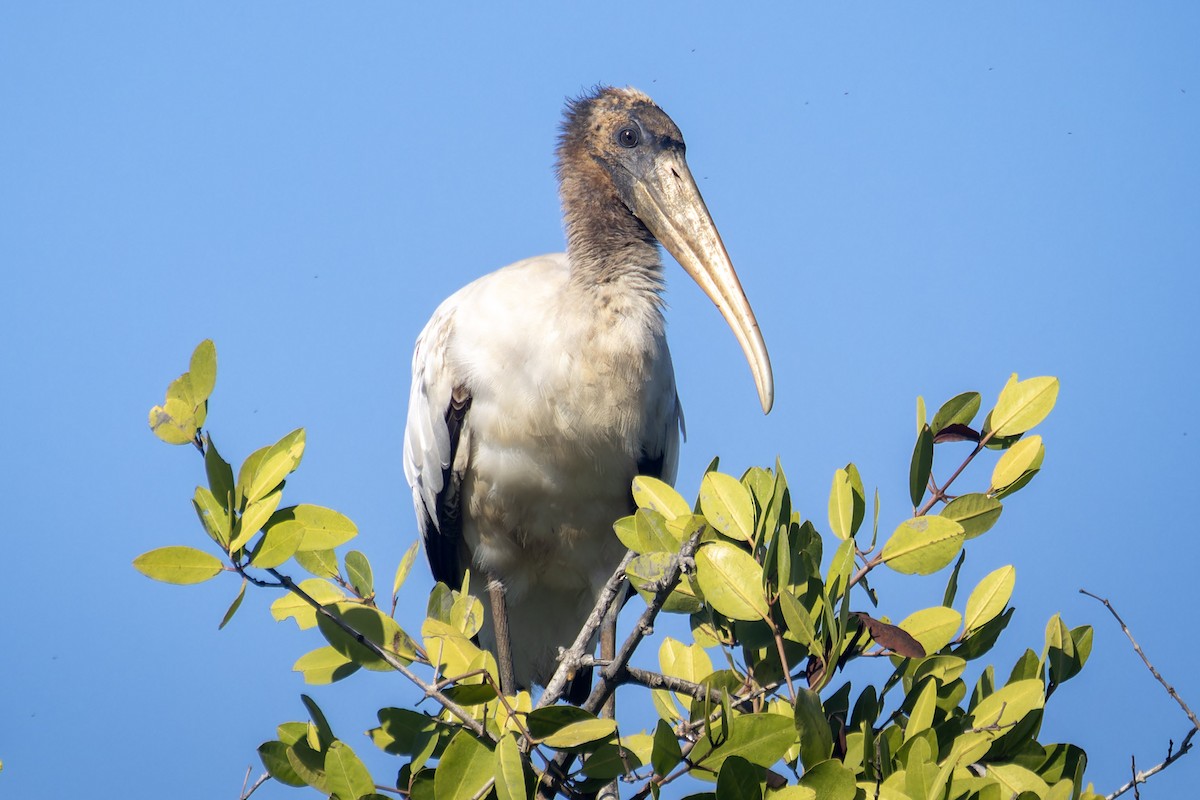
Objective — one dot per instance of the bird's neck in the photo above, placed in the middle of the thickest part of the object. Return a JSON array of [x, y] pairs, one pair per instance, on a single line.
[[610, 250]]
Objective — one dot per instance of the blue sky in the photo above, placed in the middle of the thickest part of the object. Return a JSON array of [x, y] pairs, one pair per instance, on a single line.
[[919, 201]]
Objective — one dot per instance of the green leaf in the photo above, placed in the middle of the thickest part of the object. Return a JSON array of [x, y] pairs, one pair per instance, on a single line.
[[471, 694], [1005, 707], [731, 581], [958, 410], [253, 518], [952, 584], [322, 528], [760, 738], [989, 597], [1015, 779], [358, 572], [933, 627], [1023, 404], [831, 780], [405, 566], [266, 468], [292, 605], [646, 532], [921, 466], [212, 515], [977, 513], [739, 780], [688, 662], [922, 414], [234, 606], [375, 626], [800, 625], [202, 371], [581, 733], [178, 565], [923, 545], [547, 721], [453, 652], [920, 718], [174, 421], [308, 763], [274, 759], [1022, 457], [278, 544], [323, 666], [345, 775], [509, 771], [841, 505], [655, 495], [322, 563], [666, 754], [219, 473], [816, 737], [727, 505]]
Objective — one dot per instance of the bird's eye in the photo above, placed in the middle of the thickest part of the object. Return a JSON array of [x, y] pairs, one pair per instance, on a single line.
[[628, 137]]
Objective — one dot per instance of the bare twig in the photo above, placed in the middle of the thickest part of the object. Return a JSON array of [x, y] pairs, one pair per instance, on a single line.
[[610, 675], [261, 780], [1185, 746], [570, 660], [390, 658], [1191, 715], [1172, 756]]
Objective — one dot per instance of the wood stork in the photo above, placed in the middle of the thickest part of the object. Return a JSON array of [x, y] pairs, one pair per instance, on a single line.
[[539, 391]]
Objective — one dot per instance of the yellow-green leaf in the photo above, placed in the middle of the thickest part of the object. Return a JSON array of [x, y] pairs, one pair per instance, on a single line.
[[451, 651], [655, 495], [266, 468], [323, 528], [346, 777], [292, 605], [977, 513], [1006, 706], [279, 543], [760, 738], [933, 627], [212, 516], [178, 565], [405, 566], [1022, 457], [923, 545], [253, 519], [731, 581], [581, 733], [174, 421], [1023, 404], [841, 505], [466, 767], [375, 626], [234, 606], [727, 505], [203, 371], [989, 597], [324, 665], [510, 774]]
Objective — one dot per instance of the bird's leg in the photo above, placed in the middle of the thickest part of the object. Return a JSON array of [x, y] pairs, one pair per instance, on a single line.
[[503, 643], [608, 652]]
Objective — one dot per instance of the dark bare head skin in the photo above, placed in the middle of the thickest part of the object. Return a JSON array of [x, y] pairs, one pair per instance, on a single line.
[[626, 187]]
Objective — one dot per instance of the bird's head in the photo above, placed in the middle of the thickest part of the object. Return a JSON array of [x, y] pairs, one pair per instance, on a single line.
[[619, 152]]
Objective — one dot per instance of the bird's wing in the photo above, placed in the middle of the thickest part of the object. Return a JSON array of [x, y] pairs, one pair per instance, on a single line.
[[437, 446]]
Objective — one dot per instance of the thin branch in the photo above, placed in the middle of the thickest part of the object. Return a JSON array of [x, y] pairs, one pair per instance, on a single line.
[[1137, 649], [657, 680], [261, 780], [1173, 755], [571, 659], [390, 658], [610, 675]]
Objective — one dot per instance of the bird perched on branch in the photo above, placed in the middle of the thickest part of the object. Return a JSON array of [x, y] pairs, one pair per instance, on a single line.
[[540, 390]]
